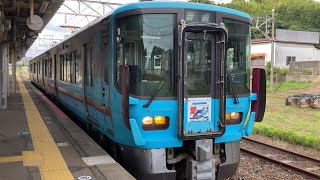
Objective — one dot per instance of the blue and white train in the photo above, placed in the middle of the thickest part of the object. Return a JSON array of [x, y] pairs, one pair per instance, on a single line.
[[168, 83]]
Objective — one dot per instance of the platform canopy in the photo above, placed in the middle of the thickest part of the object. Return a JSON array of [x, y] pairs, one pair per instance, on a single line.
[[16, 30]]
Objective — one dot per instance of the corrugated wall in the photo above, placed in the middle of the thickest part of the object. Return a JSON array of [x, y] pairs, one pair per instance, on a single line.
[[302, 52]]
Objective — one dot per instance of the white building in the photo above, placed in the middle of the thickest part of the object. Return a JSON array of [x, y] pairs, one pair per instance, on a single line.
[[289, 46]]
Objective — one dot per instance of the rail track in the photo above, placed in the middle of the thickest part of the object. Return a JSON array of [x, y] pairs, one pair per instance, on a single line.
[[302, 164]]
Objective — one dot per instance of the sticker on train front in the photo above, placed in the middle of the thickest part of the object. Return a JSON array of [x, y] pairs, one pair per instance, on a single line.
[[199, 115], [199, 109]]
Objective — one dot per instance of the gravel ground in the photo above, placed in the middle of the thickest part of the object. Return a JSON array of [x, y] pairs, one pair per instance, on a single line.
[[282, 156], [254, 168], [285, 145]]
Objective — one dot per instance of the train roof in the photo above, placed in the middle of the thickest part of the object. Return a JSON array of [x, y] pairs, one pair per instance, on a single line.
[[157, 4], [179, 4]]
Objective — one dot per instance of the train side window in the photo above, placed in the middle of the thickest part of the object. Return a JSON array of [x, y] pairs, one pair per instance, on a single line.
[[65, 65], [50, 68], [41, 66], [44, 61], [46, 67], [91, 65], [105, 48], [88, 64], [68, 67], [71, 63], [61, 67], [105, 60], [77, 67]]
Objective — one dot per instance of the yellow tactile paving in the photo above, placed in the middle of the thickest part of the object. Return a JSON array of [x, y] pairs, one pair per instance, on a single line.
[[10, 159], [32, 158], [46, 155]]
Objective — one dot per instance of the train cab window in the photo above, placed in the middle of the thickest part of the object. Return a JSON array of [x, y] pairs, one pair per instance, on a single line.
[[198, 54], [146, 44], [238, 56]]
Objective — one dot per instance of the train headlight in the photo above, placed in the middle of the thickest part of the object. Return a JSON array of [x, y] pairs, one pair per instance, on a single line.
[[155, 123], [159, 120], [147, 121], [233, 118]]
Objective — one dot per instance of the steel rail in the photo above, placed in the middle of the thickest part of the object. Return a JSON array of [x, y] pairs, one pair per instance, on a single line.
[[285, 165], [284, 150]]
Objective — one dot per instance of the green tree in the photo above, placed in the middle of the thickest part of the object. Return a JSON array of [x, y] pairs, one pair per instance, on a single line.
[[303, 15], [201, 1]]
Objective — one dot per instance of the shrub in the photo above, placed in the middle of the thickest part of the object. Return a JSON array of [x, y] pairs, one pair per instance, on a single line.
[[281, 71], [268, 68]]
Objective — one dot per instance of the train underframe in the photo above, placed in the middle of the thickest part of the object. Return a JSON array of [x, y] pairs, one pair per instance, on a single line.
[[198, 159]]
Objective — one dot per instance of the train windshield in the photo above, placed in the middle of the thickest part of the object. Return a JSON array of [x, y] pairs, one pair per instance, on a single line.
[[198, 56], [238, 56], [145, 43]]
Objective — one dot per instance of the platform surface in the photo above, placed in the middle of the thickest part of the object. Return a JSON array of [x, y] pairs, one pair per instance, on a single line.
[[38, 141]]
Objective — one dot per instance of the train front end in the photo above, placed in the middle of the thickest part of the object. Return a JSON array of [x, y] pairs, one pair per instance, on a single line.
[[184, 79]]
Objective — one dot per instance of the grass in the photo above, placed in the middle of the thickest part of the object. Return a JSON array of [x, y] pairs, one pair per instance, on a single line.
[[292, 137], [293, 124], [290, 85]]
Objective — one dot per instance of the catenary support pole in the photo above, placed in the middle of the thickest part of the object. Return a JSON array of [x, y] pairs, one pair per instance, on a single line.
[[272, 52]]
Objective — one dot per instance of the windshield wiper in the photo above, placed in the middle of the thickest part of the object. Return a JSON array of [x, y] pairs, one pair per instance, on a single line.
[[157, 89], [234, 94]]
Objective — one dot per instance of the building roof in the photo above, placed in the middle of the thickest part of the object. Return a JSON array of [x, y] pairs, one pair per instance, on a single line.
[[291, 36]]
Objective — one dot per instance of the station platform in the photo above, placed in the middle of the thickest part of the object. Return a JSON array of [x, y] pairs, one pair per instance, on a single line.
[[38, 141]]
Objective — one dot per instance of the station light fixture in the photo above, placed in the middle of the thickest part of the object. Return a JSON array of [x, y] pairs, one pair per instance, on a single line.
[[43, 6]]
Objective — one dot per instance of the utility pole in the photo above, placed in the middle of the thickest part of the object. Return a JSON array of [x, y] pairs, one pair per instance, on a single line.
[[272, 52]]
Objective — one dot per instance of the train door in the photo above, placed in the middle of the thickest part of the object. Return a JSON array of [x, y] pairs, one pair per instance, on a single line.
[[105, 99], [106, 86], [88, 84], [202, 93]]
